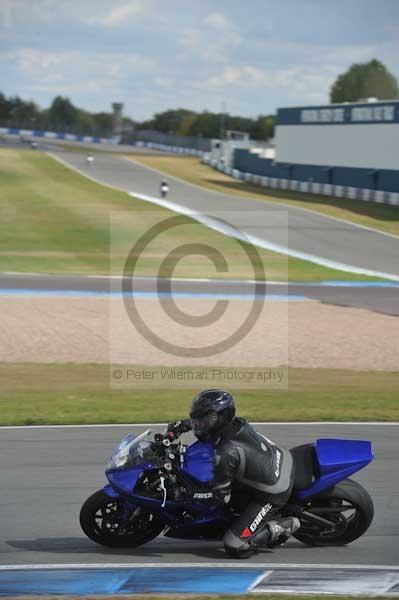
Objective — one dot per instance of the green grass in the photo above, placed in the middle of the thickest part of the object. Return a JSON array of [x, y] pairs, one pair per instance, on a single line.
[[52, 220], [69, 393], [370, 214]]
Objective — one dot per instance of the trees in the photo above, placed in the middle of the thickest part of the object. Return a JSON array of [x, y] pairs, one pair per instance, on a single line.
[[4, 109], [186, 124], [208, 124], [365, 80], [168, 121], [26, 114], [84, 123], [62, 115], [15, 112], [102, 124], [263, 127]]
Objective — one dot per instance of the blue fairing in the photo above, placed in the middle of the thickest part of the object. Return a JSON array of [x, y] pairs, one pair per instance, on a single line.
[[109, 490], [336, 461], [333, 454], [198, 462], [124, 480]]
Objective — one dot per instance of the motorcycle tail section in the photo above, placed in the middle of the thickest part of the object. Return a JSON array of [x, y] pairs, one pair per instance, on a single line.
[[335, 461]]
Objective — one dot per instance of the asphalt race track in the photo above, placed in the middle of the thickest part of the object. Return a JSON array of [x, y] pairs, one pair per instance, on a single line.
[[379, 298], [301, 230], [47, 473]]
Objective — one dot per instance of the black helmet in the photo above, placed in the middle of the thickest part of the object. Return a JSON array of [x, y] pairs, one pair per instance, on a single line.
[[211, 411]]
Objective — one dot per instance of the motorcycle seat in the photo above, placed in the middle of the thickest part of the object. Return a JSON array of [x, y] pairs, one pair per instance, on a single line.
[[304, 457]]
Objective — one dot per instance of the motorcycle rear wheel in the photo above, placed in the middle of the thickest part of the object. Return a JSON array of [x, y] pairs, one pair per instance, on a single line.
[[349, 506], [103, 520]]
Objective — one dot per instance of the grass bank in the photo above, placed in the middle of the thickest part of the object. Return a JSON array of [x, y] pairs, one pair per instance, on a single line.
[[73, 394], [370, 214], [53, 220]]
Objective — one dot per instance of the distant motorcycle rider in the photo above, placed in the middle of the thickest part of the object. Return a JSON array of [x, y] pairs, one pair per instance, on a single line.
[[247, 465], [164, 189]]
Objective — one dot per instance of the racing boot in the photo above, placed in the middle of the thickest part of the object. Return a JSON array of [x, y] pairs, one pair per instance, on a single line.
[[276, 533], [282, 530]]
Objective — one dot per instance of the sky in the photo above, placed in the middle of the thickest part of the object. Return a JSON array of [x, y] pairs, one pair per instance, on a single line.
[[247, 58]]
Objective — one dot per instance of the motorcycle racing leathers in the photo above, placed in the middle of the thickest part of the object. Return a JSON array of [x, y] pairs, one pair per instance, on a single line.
[[253, 471]]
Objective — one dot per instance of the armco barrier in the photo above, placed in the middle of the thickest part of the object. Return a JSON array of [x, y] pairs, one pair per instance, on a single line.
[[172, 149], [385, 180], [97, 140], [170, 139], [51, 135], [325, 189]]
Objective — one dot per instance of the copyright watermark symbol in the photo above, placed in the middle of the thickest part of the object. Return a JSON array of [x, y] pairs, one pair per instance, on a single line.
[[187, 294], [164, 289]]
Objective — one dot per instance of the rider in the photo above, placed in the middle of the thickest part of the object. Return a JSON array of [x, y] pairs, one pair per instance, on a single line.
[[250, 464], [164, 188]]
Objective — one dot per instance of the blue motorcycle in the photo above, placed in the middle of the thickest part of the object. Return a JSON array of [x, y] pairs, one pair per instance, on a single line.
[[156, 486]]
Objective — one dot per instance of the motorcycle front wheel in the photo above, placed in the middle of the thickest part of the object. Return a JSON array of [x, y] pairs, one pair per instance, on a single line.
[[114, 523], [348, 506]]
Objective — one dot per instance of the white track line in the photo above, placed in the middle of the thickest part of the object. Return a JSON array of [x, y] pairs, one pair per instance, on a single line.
[[261, 423], [323, 283], [216, 225], [260, 579], [262, 200], [194, 565]]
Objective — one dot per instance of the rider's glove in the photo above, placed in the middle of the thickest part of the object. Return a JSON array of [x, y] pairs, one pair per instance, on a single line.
[[176, 428]]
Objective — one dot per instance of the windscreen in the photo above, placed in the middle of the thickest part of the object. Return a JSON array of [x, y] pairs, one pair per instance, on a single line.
[[132, 451]]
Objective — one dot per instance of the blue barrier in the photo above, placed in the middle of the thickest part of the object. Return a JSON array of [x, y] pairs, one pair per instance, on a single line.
[[54, 135], [97, 140], [310, 186], [374, 180]]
